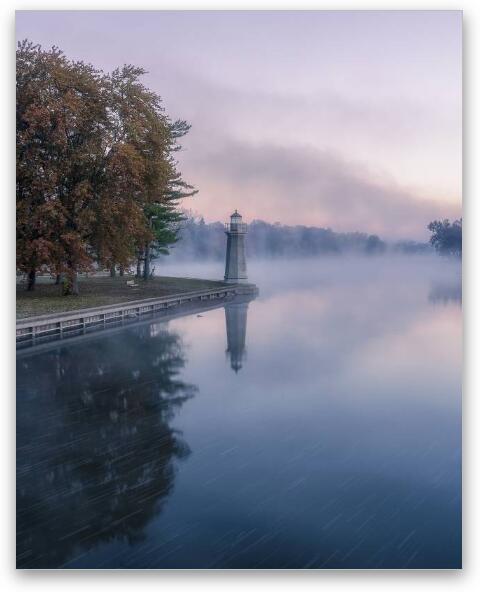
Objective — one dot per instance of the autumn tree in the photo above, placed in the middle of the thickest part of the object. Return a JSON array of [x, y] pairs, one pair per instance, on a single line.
[[95, 153], [138, 120], [61, 117]]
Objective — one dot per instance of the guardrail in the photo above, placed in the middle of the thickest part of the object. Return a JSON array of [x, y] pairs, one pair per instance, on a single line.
[[239, 227], [36, 329]]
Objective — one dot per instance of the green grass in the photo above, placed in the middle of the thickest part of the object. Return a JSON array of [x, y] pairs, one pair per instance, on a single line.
[[100, 291]]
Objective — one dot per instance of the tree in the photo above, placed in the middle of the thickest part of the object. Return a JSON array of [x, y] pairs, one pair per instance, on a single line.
[[162, 211], [446, 237], [143, 198], [95, 153], [61, 116], [374, 245], [165, 223]]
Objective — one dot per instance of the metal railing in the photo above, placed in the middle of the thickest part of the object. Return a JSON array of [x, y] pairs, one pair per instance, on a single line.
[[35, 329], [236, 227]]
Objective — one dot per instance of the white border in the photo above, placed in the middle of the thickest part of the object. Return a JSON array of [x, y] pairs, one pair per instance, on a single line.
[[223, 580]]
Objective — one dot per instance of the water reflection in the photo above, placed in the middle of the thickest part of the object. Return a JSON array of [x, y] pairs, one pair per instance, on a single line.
[[96, 453], [337, 446], [236, 326], [445, 292]]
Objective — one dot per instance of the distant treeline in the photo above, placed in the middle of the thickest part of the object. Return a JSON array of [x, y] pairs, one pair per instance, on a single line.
[[201, 240]]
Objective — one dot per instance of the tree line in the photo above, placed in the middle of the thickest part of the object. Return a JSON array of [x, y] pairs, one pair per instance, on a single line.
[[202, 240], [98, 185]]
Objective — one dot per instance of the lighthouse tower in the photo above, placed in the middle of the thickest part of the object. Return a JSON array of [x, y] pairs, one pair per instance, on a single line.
[[236, 263]]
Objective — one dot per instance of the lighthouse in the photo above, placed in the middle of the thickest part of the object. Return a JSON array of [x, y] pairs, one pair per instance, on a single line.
[[236, 263]]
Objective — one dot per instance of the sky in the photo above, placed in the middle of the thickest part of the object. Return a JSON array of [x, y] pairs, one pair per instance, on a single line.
[[344, 119]]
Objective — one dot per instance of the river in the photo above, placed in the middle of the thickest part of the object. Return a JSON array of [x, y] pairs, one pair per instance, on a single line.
[[316, 426]]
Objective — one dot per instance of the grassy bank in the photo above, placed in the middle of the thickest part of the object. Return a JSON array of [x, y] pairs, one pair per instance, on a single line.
[[100, 291]]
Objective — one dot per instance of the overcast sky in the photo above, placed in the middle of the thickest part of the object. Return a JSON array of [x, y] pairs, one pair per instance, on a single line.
[[350, 120]]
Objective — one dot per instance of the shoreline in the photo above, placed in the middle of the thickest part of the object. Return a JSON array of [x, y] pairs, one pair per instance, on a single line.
[[101, 290], [38, 329]]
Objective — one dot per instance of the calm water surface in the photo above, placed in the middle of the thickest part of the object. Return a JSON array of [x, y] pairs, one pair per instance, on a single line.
[[317, 426]]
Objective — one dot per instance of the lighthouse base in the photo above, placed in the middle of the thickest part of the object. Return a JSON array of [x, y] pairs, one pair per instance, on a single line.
[[236, 280]]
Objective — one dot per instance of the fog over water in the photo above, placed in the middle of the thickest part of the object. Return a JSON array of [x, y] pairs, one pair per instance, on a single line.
[[318, 425]]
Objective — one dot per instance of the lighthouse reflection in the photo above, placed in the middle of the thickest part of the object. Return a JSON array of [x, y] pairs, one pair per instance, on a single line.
[[236, 313]]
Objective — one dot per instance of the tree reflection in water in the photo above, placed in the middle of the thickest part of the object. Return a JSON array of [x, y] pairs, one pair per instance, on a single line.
[[446, 292], [95, 451]]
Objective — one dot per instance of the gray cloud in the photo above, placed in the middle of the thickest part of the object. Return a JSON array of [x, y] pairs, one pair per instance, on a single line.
[[394, 139], [309, 186], [345, 119]]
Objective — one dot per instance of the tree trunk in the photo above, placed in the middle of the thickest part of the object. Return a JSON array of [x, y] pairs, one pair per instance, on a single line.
[[121, 270], [75, 283], [113, 271], [146, 267], [32, 277], [139, 267], [58, 279], [70, 282]]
